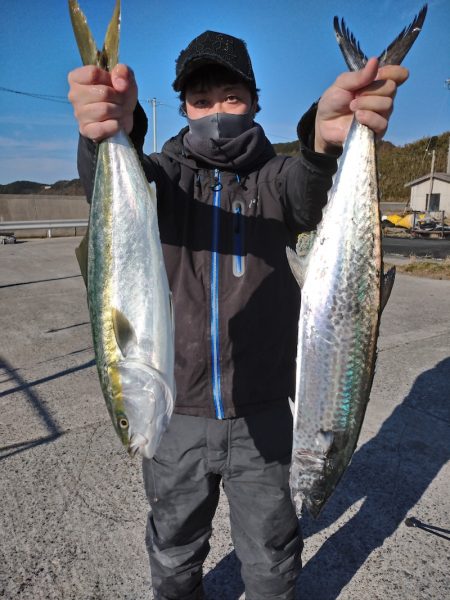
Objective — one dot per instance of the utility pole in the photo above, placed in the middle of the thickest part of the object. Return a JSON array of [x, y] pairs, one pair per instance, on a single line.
[[433, 160], [448, 157], [154, 124]]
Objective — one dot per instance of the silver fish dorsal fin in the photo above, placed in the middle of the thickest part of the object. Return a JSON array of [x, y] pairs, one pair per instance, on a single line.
[[90, 55], [394, 53], [298, 266], [123, 330]]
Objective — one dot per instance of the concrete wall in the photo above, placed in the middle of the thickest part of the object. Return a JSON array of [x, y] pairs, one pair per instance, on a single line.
[[30, 207]]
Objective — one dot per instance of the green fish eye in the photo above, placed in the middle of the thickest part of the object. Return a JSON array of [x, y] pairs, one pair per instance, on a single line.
[[123, 423]]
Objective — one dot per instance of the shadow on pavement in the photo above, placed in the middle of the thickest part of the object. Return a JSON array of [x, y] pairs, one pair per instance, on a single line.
[[388, 474], [11, 449], [44, 415], [24, 385], [8, 285], [67, 327], [224, 581]]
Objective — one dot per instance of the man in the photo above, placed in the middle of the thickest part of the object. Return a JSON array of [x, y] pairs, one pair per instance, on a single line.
[[227, 209]]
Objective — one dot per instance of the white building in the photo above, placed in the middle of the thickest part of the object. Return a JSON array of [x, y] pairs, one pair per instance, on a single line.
[[432, 195]]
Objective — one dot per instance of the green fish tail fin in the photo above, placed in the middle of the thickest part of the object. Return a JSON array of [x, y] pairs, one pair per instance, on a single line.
[[394, 53], [90, 55], [110, 51]]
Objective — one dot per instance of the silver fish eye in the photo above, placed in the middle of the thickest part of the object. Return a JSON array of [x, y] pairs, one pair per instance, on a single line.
[[123, 423]]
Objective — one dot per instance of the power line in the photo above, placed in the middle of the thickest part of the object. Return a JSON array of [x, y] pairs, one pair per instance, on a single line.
[[63, 100], [48, 97]]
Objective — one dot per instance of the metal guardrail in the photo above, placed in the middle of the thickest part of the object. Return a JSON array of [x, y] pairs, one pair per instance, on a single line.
[[11, 226]]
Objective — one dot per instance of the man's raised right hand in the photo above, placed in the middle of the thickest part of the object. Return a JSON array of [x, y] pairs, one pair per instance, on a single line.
[[103, 102]]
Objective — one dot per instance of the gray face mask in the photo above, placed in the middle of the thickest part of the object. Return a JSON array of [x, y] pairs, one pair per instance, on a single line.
[[220, 125]]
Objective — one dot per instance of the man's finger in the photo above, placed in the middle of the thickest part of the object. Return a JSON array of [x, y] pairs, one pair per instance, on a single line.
[[376, 122], [355, 80], [378, 104], [395, 73], [122, 78], [100, 131], [89, 75], [383, 87]]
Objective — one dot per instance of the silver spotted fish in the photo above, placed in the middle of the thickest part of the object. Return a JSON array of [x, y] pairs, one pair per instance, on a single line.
[[128, 293], [344, 291]]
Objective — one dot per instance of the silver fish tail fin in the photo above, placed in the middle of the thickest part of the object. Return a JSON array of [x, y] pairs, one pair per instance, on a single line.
[[350, 48], [396, 52], [108, 57], [392, 55]]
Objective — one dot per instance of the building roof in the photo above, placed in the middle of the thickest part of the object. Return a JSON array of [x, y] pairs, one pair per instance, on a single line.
[[441, 176]]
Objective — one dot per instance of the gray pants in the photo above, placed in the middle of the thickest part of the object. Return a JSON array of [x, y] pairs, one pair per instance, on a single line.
[[251, 456]]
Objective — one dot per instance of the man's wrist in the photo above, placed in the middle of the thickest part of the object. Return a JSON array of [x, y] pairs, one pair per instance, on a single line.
[[323, 147]]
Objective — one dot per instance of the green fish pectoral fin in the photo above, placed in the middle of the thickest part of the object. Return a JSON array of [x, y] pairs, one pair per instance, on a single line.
[[394, 53], [90, 55], [125, 334], [387, 283], [298, 266]]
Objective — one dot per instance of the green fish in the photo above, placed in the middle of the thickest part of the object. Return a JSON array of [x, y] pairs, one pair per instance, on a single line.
[[128, 292]]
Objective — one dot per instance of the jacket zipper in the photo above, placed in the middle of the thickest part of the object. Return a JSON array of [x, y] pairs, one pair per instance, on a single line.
[[215, 349], [238, 239]]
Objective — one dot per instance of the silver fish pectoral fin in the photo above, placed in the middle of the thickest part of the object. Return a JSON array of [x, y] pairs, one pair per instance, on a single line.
[[315, 475], [387, 284], [298, 265]]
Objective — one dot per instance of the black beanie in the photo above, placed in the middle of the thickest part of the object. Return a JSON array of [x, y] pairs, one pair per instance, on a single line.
[[214, 48]]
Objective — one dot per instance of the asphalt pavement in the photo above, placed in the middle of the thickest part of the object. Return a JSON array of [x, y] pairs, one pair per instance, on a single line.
[[73, 509], [421, 247]]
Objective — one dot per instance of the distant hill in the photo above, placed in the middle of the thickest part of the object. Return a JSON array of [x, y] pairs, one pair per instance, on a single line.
[[398, 165], [71, 187]]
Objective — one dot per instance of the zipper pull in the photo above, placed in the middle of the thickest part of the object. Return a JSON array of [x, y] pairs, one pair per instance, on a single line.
[[217, 185]]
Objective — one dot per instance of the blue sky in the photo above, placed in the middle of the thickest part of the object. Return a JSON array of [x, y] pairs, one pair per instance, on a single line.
[[292, 45]]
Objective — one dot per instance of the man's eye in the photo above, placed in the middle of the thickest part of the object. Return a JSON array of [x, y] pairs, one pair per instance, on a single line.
[[232, 98]]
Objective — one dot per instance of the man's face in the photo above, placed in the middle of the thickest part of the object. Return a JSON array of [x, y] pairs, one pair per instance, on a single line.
[[232, 98]]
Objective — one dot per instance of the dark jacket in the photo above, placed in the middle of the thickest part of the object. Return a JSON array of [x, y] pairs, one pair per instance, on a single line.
[[224, 235]]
